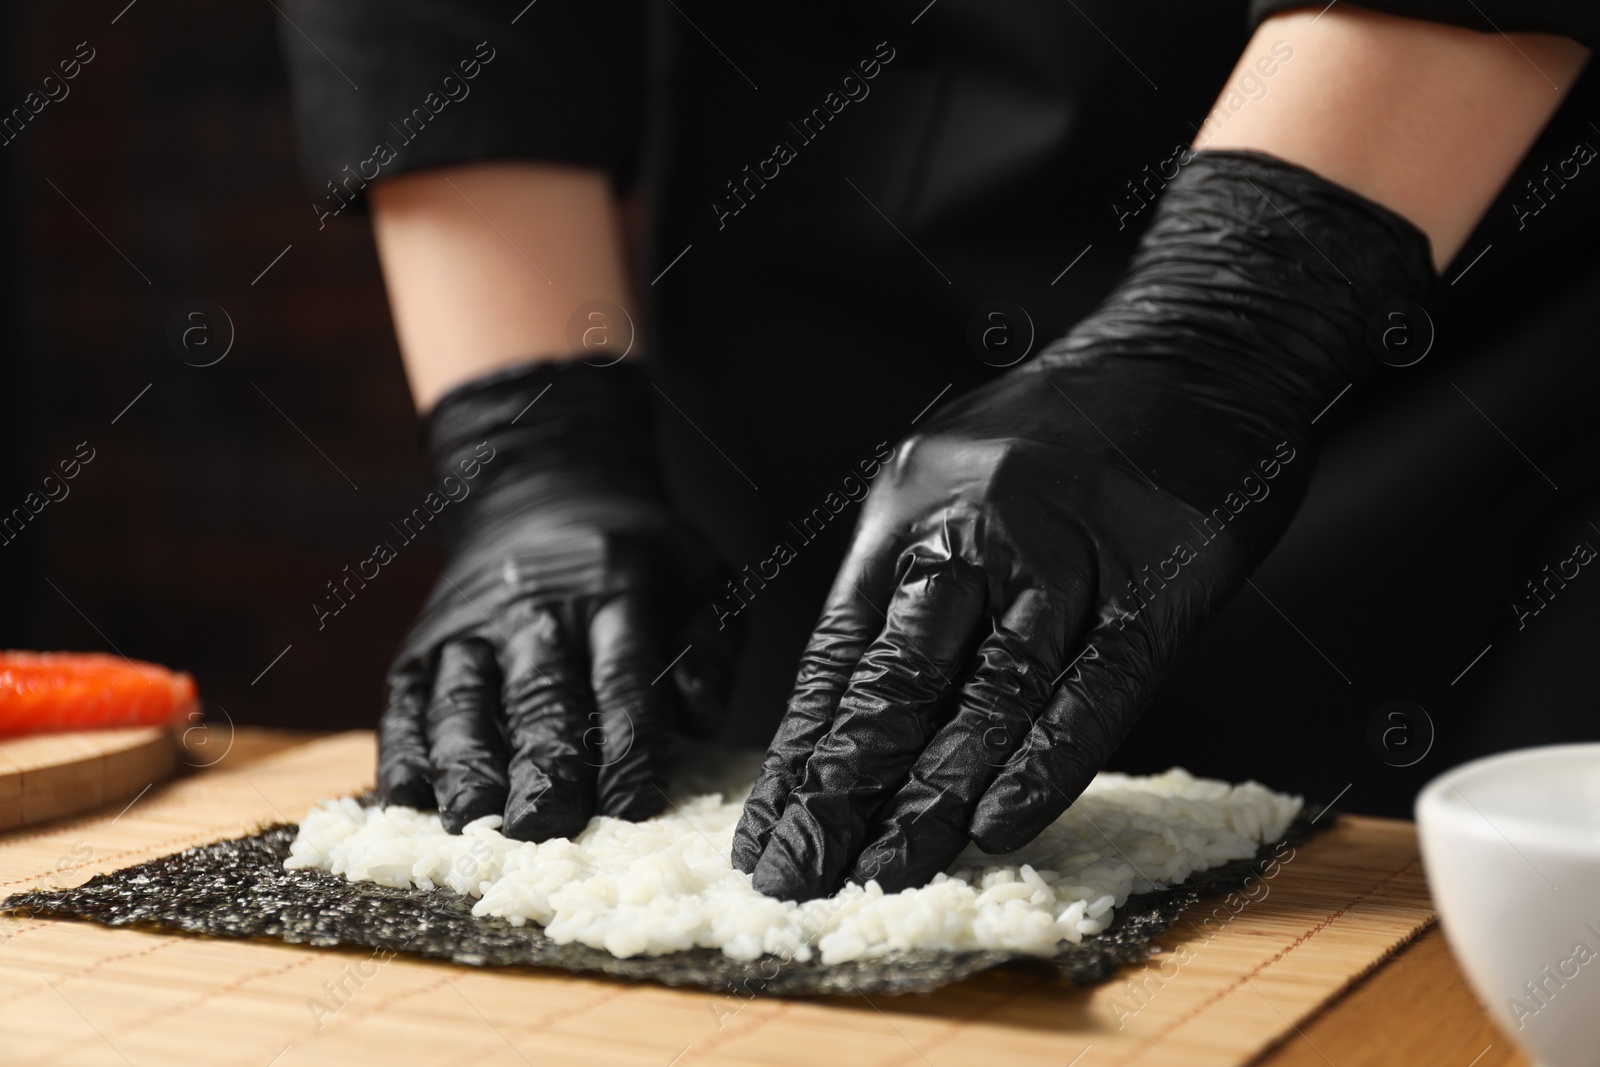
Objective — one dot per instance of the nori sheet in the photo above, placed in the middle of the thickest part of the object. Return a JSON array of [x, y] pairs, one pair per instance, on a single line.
[[239, 888]]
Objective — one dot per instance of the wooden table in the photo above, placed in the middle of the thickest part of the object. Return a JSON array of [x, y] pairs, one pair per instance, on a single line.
[[1287, 968]]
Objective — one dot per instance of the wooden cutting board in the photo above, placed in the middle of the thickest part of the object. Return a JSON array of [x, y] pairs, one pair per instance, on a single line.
[[76, 993], [47, 776]]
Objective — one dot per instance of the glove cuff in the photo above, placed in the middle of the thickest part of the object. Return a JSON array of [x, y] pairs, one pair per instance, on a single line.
[[1256, 205], [1268, 274], [542, 425], [506, 397]]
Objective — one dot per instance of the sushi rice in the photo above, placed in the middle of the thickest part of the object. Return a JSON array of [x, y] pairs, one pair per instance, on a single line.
[[666, 884]]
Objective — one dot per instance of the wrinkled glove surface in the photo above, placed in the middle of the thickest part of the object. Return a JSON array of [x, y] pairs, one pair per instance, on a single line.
[[1035, 558], [535, 681]]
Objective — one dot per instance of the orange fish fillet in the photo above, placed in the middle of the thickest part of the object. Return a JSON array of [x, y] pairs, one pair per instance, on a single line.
[[47, 691]]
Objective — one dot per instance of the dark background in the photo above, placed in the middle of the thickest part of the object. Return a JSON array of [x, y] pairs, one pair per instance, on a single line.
[[206, 523], [220, 503]]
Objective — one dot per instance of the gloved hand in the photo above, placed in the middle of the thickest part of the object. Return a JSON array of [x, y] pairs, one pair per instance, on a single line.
[[534, 683], [1032, 563]]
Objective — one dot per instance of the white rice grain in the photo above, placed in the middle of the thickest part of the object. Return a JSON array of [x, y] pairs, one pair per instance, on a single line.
[[666, 884]]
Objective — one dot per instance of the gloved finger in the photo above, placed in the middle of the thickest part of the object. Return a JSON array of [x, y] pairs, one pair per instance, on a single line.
[[886, 717], [846, 628], [1088, 715], [929, 821], [637, 706], [404, 775], [465, 746], [549, 711]]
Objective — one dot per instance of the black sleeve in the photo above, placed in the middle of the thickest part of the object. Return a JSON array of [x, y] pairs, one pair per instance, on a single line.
[[1578, 19], [382, 87]]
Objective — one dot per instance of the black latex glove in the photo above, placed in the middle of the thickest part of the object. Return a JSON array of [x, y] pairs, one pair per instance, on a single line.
[[534, 683], [1028, 568]]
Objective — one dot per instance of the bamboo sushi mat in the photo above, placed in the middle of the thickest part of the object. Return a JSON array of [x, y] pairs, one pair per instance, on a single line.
[[76, 993]]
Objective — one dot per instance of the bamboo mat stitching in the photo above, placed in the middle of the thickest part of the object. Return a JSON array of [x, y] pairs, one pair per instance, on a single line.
[[376, 1008], [944, 1039], [344, 1020], [1299, 940], [101, 1033], [531, 1028], [83, 972]]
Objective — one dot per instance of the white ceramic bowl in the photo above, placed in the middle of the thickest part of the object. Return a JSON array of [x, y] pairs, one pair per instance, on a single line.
[[1511, 845]]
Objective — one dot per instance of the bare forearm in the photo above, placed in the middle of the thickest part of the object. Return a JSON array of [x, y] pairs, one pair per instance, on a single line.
[[1425, 119], [486, 263]]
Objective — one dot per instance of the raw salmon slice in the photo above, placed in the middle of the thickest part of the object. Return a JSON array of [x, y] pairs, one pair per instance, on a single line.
[[42, 691]]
